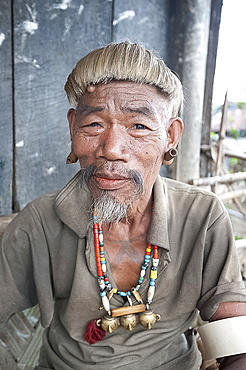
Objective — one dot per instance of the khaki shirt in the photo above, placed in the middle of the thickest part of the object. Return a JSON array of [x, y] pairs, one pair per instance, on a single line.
[[48, 256]]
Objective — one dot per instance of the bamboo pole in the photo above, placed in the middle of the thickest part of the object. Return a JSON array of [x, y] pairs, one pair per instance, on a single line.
[[241, 243], [232, 194], [227, 152], [224, 179]]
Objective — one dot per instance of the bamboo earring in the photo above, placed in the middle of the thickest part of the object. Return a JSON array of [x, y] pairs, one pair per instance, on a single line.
[[170, 155], [72, 158]]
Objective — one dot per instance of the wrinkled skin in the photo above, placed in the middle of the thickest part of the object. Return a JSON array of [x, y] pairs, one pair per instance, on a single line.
[[122, 126]]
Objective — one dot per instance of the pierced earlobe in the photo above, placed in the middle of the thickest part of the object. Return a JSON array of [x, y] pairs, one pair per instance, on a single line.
[[170, 155], [72, 158]]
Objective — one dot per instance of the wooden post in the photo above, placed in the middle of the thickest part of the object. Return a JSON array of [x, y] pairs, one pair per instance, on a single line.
[[206, 164], [220, 157], [194, 66]]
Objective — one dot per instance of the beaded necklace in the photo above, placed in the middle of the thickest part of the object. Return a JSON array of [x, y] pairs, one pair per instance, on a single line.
[[124, 316]]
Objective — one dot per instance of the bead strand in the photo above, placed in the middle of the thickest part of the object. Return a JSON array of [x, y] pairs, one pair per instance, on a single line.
[[103, 281], [153, 275], [98, 249]]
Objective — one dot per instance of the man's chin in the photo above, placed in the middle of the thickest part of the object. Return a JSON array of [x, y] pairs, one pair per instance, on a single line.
[[109, 209]]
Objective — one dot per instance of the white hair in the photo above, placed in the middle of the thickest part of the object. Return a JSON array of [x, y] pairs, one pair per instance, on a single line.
[[124, 62]]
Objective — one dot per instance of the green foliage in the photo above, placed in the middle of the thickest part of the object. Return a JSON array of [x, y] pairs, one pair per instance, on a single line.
[[235, 133], [240, 105], [231, 119], [238, 237], [233, 161]]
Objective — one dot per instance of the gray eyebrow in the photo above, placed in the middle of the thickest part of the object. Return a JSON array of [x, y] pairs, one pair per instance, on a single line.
[[145, 111], [86, 110]]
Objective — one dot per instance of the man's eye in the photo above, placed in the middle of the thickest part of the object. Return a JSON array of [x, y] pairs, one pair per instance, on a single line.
[[94, 124], [138, 126]]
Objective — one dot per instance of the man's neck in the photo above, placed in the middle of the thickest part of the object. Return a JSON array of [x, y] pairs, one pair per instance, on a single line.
[[138, 220]]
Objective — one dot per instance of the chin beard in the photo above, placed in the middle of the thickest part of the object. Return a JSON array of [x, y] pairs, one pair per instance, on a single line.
[[107, 208]]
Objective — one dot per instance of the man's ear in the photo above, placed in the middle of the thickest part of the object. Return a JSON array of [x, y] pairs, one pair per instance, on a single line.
[[174, 131], [71, 116]]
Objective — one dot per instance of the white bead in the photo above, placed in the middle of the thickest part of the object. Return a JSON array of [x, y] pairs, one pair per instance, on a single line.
[[104, 267], [100, 238], [101, 284], [151, 293], [155, 262], [105, 303], [142, 273]]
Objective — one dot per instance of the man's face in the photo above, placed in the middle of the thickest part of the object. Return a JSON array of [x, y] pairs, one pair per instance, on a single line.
[[120, 128]]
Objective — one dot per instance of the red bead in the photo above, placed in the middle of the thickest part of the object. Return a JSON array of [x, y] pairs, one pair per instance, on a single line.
[[156, 253]]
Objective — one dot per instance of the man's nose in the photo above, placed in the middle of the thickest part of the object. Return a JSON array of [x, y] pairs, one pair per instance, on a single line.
[[114, 145]]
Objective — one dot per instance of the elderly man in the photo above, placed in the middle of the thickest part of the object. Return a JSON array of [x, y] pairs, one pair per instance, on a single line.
[[120, 260]]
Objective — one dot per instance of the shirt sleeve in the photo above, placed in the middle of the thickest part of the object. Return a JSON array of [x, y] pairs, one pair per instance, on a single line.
[[221, 281], [25, 276]]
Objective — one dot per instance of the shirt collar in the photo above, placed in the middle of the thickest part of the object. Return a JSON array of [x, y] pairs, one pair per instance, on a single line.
[[72, 205], [158, 233]]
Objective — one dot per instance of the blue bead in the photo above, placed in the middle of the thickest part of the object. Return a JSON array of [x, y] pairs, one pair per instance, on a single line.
[[102, 294], [152, 283], [101, 244], [129, 293], [144, 267], [137, 287], [152, 279], [106, 282], [103, 262], [100, 231], [123, 294]]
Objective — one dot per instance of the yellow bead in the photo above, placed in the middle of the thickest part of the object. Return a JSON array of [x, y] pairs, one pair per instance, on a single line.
[[148, 249], [114, 290], [102, 259], [153, 274]]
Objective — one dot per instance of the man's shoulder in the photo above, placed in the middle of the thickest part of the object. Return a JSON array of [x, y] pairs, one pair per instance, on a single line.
[[45, 202], [48, 202]]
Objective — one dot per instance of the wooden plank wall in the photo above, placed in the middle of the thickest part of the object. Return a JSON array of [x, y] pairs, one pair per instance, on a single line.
[[6, 121], [45, 40]]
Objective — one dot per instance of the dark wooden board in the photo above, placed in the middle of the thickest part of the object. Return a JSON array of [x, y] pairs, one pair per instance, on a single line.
[[143, 22], [50, 38], [6, 138]]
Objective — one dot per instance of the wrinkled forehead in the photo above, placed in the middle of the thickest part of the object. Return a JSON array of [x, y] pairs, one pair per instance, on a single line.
[[126, 94]]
